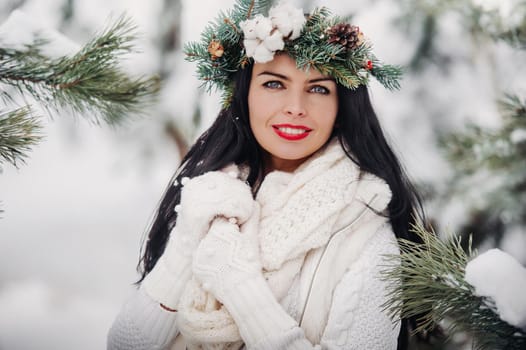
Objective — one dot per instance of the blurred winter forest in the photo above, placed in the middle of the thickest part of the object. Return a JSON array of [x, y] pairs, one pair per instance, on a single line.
[[73, 215]]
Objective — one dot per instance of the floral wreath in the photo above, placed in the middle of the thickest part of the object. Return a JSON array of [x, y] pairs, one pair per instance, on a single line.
[[317, 40]]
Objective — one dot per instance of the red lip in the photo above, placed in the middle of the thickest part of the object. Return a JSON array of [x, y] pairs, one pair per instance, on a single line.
[[291, 137]]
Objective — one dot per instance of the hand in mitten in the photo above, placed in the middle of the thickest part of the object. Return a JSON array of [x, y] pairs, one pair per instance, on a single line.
[[228, 255], [207, 196], [202, 198], [227, 263]]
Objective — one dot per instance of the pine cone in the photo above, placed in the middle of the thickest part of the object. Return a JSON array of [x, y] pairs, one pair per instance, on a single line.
[[215, 49], [346, 35]]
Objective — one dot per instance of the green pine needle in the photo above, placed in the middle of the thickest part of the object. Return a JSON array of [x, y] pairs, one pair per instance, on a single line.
[[428, 279], [19, 131], [89, 82], [388, 75]]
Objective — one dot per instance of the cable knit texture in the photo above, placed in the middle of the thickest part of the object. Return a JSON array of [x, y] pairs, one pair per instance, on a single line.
[[359, 298], [309, 279]]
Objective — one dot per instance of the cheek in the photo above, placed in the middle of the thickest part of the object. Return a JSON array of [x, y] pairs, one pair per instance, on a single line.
[[252, 110], [255, 115], [327, 113], [258, 110]]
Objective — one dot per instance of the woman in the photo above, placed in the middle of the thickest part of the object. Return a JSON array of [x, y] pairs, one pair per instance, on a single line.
[[273, 232]]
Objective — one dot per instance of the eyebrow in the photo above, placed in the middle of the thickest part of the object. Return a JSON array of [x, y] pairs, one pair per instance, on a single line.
[[284, 77]]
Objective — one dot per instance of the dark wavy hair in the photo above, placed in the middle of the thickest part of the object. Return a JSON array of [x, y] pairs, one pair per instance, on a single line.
[[230, 140]]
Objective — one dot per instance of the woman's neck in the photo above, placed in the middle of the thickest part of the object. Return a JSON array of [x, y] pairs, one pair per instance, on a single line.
[[285, 165]]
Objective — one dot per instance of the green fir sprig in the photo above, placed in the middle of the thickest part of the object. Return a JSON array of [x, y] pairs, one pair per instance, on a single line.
[[19, 131], [91, 82], [218, 73], [428, 279]]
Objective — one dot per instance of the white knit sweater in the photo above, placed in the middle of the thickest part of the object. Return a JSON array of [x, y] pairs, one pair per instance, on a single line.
[[333, 303]]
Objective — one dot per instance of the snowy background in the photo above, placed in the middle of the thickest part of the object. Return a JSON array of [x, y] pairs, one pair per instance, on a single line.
[[75, 214]]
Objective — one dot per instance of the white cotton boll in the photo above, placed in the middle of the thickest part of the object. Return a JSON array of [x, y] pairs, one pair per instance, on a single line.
[[282, 21], [283, 24], [263, 26], [288, 19], [497, 275], [249, 28], [274, 42], [298, 21], [250, 46], [263, 55]]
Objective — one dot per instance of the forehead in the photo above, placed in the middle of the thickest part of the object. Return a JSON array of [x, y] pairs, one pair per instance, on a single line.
[[285, 65]]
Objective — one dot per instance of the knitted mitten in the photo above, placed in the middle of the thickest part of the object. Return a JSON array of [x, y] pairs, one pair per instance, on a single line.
[[228, 255], [227, 264], [202, 198]]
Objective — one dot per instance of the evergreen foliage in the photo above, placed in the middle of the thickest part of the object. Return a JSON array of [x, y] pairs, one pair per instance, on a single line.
[[477, 20], [493, 160], [19, 131], [429, 277], [498, 150], [90, 83], [488, 162], [218, 73]]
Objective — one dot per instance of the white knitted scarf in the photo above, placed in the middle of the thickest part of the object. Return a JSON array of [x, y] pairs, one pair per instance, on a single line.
[[298, 214]]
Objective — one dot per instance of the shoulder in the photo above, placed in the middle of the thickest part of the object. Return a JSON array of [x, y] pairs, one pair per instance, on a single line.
[[383, 242], [374, 252], [364, 194]]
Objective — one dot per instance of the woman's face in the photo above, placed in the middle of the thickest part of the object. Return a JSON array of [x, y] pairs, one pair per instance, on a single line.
[[292, 112]]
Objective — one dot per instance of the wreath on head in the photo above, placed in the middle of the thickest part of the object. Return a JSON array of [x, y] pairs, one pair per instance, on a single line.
[[254, 31]]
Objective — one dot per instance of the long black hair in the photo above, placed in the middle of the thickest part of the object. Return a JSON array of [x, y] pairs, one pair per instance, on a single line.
[[230, 140]]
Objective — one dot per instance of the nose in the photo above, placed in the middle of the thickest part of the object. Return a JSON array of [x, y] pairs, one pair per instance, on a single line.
[[295, 106]]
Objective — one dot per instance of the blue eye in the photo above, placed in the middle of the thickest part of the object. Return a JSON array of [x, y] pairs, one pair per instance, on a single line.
[[273, 84], [318, 89]]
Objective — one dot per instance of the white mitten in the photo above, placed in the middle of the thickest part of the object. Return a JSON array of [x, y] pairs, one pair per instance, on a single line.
[[202, 199], [215, 193], [228, 255], [227, 263]]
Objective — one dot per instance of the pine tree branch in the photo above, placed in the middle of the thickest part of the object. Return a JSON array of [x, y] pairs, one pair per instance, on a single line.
[[499, 152], [90, 81], [429, 279], [480, 21], [19, 131], [500, 149]]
